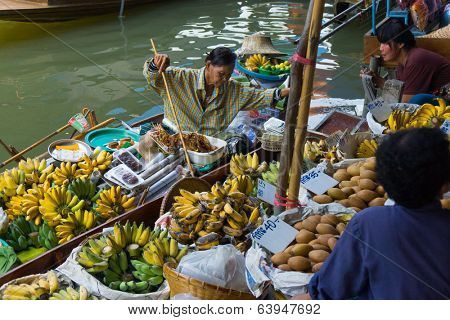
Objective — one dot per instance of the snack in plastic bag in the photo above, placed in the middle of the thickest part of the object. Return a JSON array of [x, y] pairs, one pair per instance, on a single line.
[[223, 266]]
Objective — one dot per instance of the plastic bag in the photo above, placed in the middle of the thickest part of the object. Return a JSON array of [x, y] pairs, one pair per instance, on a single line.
[[4, 222], [223, 266], [147, 147]]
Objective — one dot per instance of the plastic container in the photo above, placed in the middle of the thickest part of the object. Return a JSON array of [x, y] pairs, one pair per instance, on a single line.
[[128, 159], [209, 157]]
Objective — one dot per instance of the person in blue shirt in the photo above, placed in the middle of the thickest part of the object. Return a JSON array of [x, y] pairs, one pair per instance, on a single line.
[[400, 251]]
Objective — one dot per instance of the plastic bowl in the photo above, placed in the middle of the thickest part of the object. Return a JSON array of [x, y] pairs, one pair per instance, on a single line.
[[210, 157]]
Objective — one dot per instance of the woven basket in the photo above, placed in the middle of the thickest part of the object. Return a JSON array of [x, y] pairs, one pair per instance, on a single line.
[[189, 184], [180, 283], [442, 33], [271, 142]]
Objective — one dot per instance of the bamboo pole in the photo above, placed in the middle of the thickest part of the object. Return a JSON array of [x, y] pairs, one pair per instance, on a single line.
[[292, 110], [307, 88], [34, 145], [174, 115]]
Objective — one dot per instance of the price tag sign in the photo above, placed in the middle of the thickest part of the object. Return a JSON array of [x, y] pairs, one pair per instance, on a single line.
[[266, 192], [274, 234], [446, 127], [379, 109], [316, 181]]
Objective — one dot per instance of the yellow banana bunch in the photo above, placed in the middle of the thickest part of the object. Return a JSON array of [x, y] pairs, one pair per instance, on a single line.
[[112, 203], [401, 119], [73, 294], [58, 202], [36, 171], [39, 288], [12, 182], [367, 148], [101, 162], [315, 151], [66, 173], [255, 61], [429, 115], [28, 204], [241, 183], [223, 210], [74, 225], [162, 249], [247, 165]]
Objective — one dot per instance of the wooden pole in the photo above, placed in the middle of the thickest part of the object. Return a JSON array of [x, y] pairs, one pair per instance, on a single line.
[[292, 111], [307, 88], [174, 115], [34, 145]]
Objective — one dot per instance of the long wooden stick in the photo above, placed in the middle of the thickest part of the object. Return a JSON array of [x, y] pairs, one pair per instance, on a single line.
[[4, 163], [174, 115], [307, 88], [292, 111]]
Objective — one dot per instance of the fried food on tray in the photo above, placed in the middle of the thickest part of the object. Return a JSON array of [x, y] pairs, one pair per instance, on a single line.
[[194, 141]]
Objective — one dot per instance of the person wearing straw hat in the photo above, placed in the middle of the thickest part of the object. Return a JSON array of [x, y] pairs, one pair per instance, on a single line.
[[206, 100]]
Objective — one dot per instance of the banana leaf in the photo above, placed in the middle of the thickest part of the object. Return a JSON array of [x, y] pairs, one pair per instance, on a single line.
[[8, 259]]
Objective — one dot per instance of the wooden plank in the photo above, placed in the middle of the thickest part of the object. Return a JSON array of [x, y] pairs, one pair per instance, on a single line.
[[372, 47]]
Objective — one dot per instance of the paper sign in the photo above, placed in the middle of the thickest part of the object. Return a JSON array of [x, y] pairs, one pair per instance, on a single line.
[[379, 109], [446, 127], [266, 191], [316, 181], [274, 234]]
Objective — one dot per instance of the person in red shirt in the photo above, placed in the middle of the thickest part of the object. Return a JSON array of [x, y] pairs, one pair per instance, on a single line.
[[423, 72]]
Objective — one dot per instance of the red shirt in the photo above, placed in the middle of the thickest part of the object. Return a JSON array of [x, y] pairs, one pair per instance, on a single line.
[[424, 72]]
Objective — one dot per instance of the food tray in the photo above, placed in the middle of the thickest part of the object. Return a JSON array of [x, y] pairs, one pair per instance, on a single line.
[[124, 176], [209, 157], [68, 156], [101, 137]]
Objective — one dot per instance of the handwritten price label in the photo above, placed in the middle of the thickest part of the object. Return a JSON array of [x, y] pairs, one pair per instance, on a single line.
[[379, 109], [266, 191], [317, 182], [274, 234], [446, 127]]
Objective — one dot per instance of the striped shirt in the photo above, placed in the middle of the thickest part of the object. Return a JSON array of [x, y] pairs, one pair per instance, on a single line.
[[188, 91]]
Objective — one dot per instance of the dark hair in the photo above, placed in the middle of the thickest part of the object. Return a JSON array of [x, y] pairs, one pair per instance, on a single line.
[[413, 165], [395, 30], [221, 56]]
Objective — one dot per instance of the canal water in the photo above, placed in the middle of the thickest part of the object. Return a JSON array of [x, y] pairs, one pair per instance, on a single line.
[[49, 71]]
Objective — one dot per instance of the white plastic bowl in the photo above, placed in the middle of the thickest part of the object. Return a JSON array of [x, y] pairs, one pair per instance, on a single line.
[[210, 157]]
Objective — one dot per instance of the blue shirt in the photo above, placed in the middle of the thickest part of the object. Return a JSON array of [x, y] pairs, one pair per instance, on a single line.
[[389, 252]]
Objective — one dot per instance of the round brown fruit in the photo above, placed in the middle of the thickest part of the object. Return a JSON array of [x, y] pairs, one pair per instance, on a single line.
[[318, 255], [316, 267], [315, 217], [367, 195], [370, 164], [323, 239], [301, 249], [356, 189], [325, 228], [377, 202], [322, 199], [355, 178], [346, 184], [336, 194], [284, 267], [304, 236], [354, 168], [368, 174], [309, 224], [298, 225], [332, 243], [348, 191], [380, 190], [341, 175], [357, 202], [280, 258], [330, 219], [299, 263], [288, 250], [345, 203], [340, 227], [313, 242], [367, 184], [321, 247]]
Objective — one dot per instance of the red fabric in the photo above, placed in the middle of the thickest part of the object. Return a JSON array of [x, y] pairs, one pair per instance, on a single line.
[[424, 72], [297, 58]]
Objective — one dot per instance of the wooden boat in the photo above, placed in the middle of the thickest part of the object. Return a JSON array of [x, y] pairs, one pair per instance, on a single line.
[[60, 10], [147, 213]]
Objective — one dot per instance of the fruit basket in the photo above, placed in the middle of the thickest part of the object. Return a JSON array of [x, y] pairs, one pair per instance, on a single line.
[[180, 284]]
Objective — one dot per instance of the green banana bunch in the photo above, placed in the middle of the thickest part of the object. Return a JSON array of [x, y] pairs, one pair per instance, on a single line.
[[271, 176], [72, 294], [84, 189], [22, 234], [47, 236]]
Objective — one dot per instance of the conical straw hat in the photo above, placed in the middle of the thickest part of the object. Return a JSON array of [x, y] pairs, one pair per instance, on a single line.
[[258, 43]]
